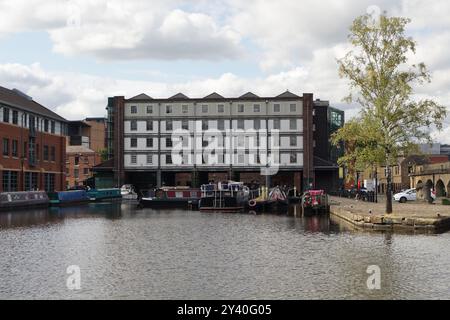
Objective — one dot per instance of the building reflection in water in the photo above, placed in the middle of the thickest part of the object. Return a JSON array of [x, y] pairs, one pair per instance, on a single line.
[[56, 215]]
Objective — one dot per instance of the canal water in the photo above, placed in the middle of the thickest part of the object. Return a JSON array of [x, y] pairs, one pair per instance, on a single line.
[[125, 253]]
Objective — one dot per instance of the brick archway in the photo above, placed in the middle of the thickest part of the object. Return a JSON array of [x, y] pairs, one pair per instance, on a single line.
[[448, 188], [440, 188], [419, 184]]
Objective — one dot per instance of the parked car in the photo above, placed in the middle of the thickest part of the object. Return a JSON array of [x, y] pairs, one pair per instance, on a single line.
[[410, 195]]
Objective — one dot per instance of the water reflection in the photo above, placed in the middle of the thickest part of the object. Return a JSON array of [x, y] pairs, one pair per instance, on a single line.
[[56, 215], [125, 253]]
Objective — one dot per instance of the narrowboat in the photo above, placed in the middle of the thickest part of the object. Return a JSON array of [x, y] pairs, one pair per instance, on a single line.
[[104, 194], [275, 200], [229, 197], [315, 202], [170, 197], [23, 200], [67, 198]]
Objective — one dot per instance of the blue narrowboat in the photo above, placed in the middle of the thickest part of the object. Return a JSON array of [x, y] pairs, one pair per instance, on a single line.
[[104, 194], [67, 198], [23, 200]]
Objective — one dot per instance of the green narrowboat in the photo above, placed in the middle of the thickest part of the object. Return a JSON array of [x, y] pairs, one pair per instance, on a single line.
[[104, 194]]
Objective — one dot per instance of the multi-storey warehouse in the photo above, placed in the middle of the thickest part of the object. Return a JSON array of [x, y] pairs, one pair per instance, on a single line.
[[282, 140]]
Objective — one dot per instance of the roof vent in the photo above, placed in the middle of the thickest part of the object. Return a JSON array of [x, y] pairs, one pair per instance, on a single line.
[[20, 93]]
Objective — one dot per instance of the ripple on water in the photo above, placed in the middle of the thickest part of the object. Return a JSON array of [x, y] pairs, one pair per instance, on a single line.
[[129, 254]]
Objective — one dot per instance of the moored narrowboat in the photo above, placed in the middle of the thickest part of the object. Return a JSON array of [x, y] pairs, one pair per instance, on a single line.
[[170, 197], [67, 198], [23, 200], [315, 202], [227, 197], [273, 201], [104, 194]]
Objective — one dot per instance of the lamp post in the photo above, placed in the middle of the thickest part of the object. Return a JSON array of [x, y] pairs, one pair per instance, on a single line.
[[376, 185]]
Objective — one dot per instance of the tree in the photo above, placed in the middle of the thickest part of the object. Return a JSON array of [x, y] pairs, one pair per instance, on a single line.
[[360, 139], [391, 121], [104, 155]]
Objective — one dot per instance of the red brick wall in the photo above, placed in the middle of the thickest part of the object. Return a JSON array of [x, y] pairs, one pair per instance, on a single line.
[[248, 177], [13, 132], [86, 161], [97, 135], [183, 179], [218, 176]]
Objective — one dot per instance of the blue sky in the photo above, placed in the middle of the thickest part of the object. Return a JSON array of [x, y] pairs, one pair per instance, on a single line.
[[13, 45], [71, 55]]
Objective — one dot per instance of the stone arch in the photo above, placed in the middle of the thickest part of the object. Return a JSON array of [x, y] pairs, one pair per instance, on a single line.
[[440, 189], [419, 190], [448, 188], [429, 185], [419, 184]]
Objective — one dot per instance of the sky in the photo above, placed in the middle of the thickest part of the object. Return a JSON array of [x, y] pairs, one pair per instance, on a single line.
[[70, 55]]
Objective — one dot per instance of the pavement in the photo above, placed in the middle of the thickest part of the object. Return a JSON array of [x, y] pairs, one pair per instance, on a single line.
[[411, 215]]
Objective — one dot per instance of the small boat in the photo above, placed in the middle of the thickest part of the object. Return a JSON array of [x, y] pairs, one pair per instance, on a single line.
[[104, 194], [275, 200], [315, 202], [170, 197], [229, 197], [128, 193], [67, 198], [23, 200]]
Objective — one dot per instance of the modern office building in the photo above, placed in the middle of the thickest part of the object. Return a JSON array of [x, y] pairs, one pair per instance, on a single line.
[[190, 141], [33, 144]]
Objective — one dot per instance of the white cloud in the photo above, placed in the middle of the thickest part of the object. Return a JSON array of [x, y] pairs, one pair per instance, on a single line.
[[295, 43], [119, 29], [76, 96], [290, 31]]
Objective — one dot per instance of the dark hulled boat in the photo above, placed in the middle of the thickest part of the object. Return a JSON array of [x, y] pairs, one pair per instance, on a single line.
[[273, 201], [170, 197], [23, 200], [229, 197]]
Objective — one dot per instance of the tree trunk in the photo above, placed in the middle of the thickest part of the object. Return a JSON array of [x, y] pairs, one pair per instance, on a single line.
[[388, 185]]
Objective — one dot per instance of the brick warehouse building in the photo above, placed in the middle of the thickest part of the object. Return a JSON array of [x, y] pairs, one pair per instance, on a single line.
[[139, 136], [33, 144], [79, 163]]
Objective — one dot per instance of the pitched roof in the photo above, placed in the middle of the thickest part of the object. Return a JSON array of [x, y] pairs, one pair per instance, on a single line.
[[214, 95], [142, 96], [288, 94], [417, 159], [15, 99], [106, 165], [249, 95], [78, 149], [179, 96]]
